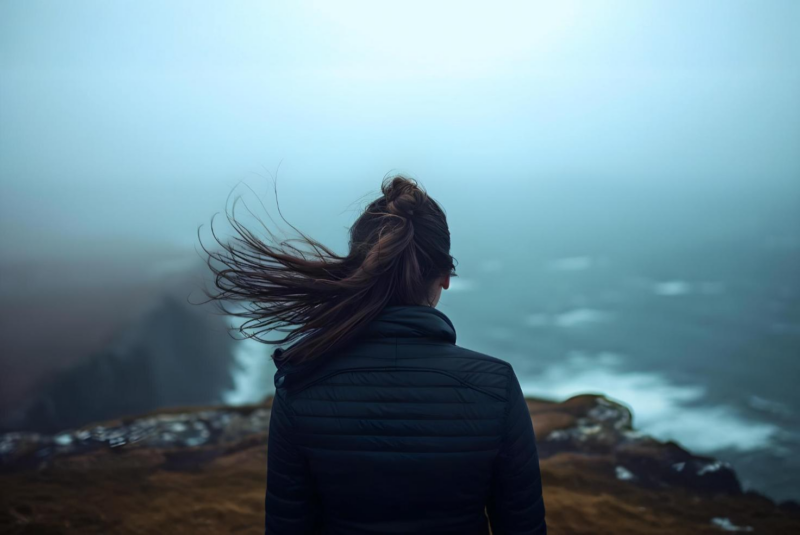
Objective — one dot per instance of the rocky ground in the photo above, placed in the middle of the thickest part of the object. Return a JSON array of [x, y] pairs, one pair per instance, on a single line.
[[203, 471]]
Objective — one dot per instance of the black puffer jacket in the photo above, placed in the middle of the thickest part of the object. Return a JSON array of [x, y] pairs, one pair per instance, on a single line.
[[402, 432]]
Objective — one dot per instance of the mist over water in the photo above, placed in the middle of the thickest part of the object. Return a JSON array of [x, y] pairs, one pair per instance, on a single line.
[[622, 180]]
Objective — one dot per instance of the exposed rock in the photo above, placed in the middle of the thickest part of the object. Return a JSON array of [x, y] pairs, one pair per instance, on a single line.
[[185, 432], [596, 425]]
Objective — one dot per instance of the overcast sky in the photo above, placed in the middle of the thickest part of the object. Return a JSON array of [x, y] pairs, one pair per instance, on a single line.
[[133, 120]]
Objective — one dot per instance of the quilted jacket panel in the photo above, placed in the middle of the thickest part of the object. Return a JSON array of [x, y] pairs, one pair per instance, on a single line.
[[402, 431]]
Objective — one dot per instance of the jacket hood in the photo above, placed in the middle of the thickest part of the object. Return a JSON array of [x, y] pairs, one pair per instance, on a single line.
[[397, 321]]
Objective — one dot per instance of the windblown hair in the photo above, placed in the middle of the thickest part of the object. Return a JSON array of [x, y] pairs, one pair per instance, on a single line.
[[398, 246]]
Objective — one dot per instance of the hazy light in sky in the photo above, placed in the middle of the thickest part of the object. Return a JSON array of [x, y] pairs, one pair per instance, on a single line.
[[135, 119]]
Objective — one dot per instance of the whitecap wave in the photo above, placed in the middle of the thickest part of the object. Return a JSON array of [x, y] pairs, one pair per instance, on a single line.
[[672, 288], [660, 407], [577, 317], [571, 263], [459, 284], [252, 372]]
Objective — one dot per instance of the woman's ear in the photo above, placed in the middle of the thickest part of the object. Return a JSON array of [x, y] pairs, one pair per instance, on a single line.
[[446, 282]]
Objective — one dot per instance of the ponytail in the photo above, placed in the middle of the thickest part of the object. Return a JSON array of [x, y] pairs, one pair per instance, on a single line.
[[398, 247]]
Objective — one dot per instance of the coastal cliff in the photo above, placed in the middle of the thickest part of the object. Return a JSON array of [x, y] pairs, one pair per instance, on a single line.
[[203, 471]]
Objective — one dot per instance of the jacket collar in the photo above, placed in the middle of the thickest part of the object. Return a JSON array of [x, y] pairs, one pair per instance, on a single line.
[[398, 321], [410, 321]]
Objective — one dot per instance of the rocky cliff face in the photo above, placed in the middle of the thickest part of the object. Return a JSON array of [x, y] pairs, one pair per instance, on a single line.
[[203, 471], [172, 354]]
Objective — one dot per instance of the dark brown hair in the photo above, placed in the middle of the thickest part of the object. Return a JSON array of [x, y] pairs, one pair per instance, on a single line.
[[399, 246]]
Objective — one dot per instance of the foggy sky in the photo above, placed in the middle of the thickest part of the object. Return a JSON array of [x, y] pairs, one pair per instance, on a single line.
[[132, 121]]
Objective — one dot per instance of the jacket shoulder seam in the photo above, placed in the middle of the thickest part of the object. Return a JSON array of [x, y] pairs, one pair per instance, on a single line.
[[477, 355]]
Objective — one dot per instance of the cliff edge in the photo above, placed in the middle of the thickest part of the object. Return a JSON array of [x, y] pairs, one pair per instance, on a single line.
[[203, 471]]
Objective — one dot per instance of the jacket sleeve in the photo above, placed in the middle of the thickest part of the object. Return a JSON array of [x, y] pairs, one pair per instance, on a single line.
[[291, 504], [515, 505]]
